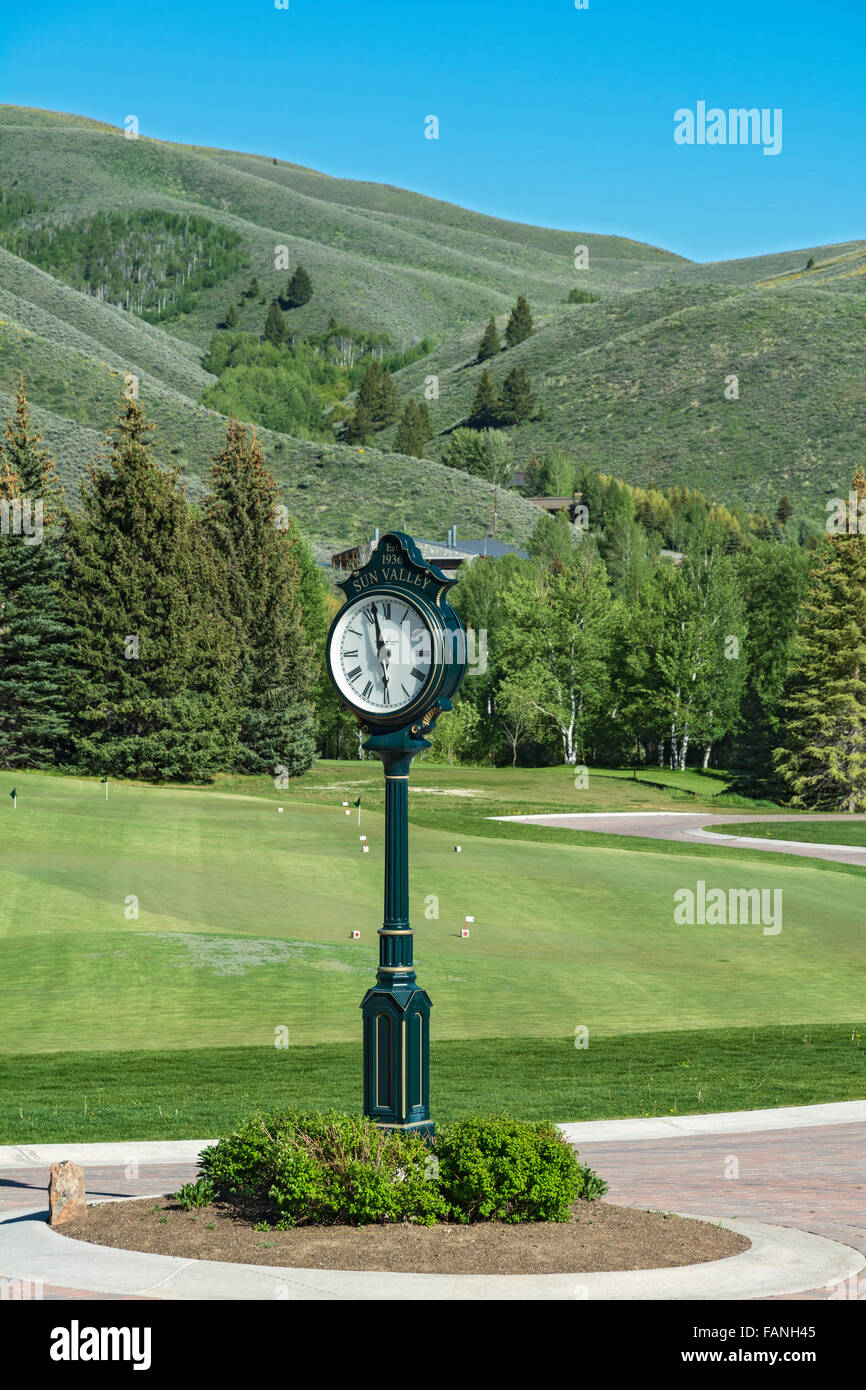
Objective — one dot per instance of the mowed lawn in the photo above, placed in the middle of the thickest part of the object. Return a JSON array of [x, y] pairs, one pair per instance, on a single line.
[[245, 914], [815, 832]]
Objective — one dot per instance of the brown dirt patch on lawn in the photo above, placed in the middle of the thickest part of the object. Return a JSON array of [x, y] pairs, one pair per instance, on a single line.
[[599, 1236]]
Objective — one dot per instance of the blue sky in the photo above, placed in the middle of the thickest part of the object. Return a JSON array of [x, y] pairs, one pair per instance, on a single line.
[[548, 114]]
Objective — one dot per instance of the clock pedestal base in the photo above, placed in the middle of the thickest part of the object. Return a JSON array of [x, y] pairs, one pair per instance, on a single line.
[[396, 1011]]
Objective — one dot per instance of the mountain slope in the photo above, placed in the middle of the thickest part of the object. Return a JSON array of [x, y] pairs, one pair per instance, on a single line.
[[635, 386], [632, 384]]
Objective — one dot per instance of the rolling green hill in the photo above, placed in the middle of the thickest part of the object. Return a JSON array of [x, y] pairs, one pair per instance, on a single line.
[[635, 386], [632, 384]]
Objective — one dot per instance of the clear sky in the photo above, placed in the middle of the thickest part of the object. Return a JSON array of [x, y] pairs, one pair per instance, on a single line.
[[548, 114]]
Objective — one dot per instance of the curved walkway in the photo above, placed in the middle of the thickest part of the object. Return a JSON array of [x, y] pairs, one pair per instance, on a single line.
[[792, 1179], [689, 825]]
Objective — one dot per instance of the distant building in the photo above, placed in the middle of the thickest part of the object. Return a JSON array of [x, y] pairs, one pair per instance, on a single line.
[[559, 504], [490, 548]]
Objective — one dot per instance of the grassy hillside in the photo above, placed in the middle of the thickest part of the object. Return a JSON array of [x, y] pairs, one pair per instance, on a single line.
[[632, 384], [394, 261], [635, 386]]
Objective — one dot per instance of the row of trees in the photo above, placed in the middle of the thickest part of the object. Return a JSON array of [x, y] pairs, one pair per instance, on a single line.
[[517, 329], [755, 659], [145, 637]]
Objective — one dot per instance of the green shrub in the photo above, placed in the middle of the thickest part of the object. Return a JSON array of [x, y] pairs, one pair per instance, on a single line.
[[331, 1169], [501, 1169], [326, 1169], [195, 1194]]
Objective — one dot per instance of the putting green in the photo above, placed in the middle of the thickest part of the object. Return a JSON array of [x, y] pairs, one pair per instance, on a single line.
[[245, 913]]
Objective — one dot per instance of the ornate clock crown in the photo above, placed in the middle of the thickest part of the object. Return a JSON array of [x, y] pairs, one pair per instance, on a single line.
[[397, 559]]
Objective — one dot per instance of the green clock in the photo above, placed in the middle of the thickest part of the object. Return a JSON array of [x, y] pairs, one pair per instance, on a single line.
[[396, 654], [397, 649]]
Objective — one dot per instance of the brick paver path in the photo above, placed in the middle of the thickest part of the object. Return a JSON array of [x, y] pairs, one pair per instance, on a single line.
[[814, 1179]]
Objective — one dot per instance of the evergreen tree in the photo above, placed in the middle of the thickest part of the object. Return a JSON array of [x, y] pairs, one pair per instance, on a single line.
[[379, 395], [277, 668], [252, 290], [773, 580], [34, 636], [414, 429], [517, 402], [822, 757], [275, 328], [489, 345], [519, 324], [231, 317], [300, 289], [785, 509], [154, 657], [486, 407], [358, 428]]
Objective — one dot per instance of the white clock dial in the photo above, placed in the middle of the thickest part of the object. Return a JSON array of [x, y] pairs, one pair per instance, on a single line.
[[381, 653]]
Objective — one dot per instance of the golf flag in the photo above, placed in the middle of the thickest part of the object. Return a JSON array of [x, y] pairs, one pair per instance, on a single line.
[[14, 796], [358, 804], [105, 780]]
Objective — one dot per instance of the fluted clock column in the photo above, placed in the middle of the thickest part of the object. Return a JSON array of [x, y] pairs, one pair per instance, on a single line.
[[396, 1012]]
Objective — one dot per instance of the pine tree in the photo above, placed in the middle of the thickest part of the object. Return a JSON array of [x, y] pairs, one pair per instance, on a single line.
[[252, 290], [231, 317], [300, 289], [519, 324], [517, 402], [154, 656], [414, 429], [358, 428], [275, 328], [489, 345], [379, 396], [486, 407], [785, 508], [822, 758], [34, 636], [277, 668]]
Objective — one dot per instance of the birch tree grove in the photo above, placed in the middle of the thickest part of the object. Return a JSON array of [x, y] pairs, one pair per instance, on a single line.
[[557, 636], [684, 674]]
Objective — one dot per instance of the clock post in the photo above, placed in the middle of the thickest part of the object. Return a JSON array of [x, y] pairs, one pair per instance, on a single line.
[[395, 602]]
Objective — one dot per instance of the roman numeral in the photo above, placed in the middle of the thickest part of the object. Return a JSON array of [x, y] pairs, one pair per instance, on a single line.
[[404, 690], [353, 652], [354, 674], [355, 631], [386, 610], [387, 699], [419, 675], [366, 691]]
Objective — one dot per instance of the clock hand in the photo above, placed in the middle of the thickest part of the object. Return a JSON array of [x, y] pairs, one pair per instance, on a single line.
[[381, 647]]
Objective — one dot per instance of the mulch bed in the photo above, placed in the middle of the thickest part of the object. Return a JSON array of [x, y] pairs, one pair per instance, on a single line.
[[599, 1236]]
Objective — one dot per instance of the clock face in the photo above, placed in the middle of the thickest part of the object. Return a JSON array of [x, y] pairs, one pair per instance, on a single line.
[[381, 653]]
